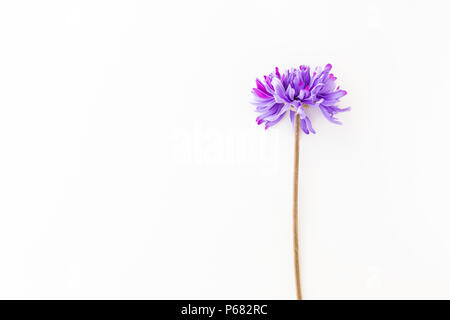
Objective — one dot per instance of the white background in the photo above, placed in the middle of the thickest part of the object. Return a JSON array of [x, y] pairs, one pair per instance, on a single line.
[[131, 165]]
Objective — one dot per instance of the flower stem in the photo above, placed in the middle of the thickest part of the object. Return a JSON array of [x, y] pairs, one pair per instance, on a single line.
[[295, 207]]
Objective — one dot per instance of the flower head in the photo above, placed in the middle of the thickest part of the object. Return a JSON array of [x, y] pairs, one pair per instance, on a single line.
[[294, 91]]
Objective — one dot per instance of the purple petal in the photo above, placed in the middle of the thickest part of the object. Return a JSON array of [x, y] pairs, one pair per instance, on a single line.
[[303, 126], [272, 123], [329, 116], [280, 93], [261, 94], [308, 125], [261, 86], [334, 95], [292, 117]]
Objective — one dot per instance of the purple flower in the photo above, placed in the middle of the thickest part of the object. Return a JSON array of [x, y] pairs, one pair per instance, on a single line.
[[294, 91]]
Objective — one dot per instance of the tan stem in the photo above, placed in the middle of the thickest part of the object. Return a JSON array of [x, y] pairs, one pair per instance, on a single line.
[[295, 207]]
